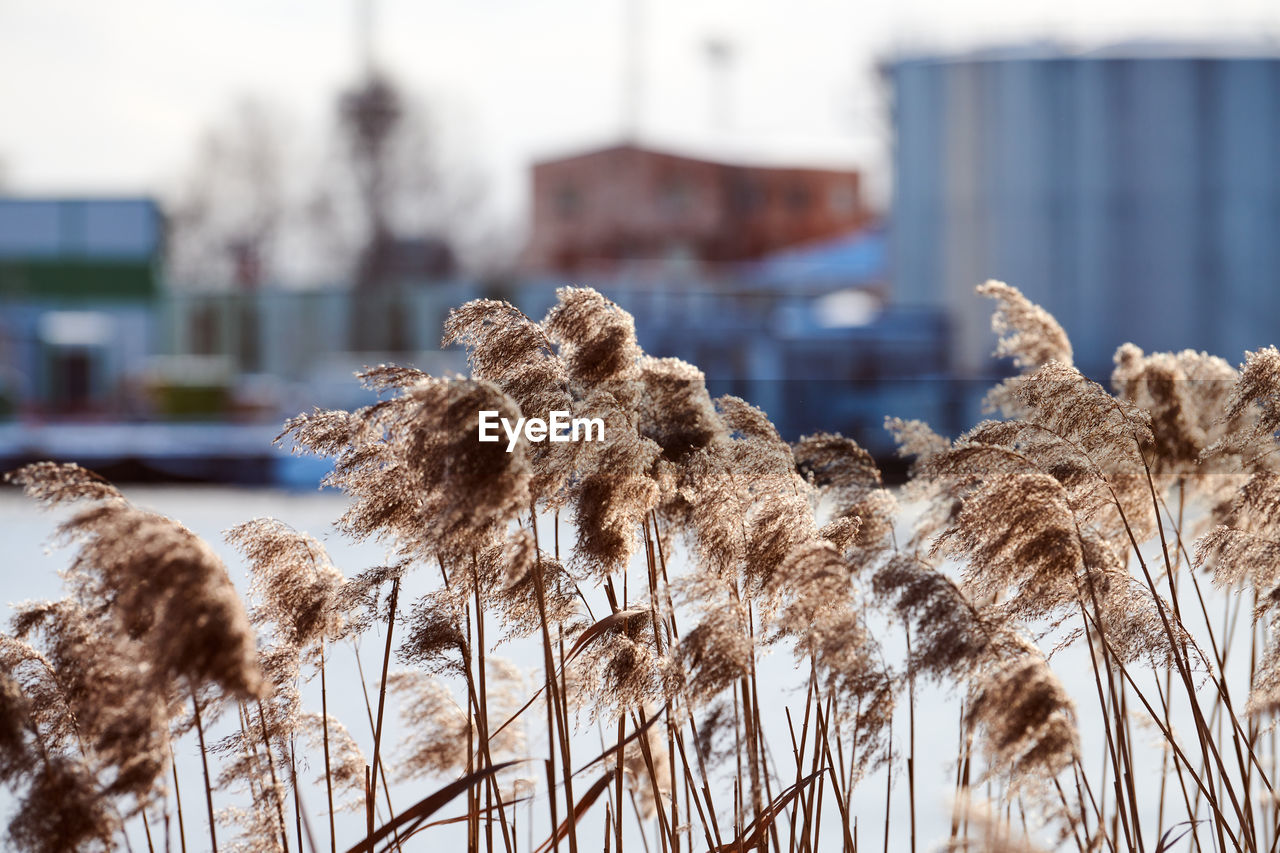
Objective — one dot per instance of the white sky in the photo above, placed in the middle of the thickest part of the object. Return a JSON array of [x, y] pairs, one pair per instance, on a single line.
[[111, 96]]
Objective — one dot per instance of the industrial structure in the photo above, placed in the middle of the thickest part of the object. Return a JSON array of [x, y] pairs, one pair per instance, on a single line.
[[1134, 192], [627, 204], [78, 281]]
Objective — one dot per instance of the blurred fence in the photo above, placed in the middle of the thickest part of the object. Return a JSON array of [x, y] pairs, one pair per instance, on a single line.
[[829, 359]]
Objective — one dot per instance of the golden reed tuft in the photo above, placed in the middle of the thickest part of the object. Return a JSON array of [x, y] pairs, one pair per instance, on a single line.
[[1070, 576]]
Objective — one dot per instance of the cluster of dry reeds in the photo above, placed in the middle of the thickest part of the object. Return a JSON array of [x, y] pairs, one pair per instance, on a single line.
[[651, 573]]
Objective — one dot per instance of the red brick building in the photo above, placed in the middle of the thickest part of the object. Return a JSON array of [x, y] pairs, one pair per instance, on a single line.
[[628, 203]]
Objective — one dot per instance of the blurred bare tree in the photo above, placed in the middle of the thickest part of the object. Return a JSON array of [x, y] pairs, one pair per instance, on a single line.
[[405, 205], [378, 199], [371, 115], [236, 200]]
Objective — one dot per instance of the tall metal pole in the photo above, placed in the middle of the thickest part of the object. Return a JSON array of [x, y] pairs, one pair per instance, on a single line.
[[364, 37], [719, 53], [633, 73]]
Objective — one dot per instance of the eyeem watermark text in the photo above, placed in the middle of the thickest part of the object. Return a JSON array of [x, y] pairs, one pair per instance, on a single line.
[[560, 427]]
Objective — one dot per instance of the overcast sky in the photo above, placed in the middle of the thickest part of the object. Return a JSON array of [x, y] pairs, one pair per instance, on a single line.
[[111, 96]]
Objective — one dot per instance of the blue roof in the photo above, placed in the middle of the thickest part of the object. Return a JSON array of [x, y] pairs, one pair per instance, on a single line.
[[106, 228], [857, 259]]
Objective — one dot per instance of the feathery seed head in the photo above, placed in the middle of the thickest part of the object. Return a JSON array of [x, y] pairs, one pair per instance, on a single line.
[[298, 588], [1027, 717], [507, 348], [62, 810], [597, 339], [675, 409], [1027, 333]]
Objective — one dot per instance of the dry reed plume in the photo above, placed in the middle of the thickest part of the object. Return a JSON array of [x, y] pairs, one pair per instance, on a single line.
[[1072, 583]]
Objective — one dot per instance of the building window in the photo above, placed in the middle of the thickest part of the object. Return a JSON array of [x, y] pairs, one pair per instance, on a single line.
[[745, 195], [676, 197], [842, 200], [798, 197], [568, 201], [204, 330]]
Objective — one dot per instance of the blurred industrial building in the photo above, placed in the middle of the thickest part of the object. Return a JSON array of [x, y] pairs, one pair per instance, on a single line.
[[601, 210], [1134, 192], [79, 283]]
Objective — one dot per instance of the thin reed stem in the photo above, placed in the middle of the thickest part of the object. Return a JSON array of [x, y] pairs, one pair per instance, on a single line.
[[275, 780], [328, 770], [177, 796], [382, 688], [204, 763]]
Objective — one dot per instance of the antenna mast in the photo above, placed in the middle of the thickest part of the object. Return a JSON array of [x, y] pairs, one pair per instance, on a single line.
[[633, 75], [364, 37], [720, 56]]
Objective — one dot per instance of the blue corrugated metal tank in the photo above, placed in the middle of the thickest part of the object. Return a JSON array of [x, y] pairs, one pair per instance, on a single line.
[[1134, 192]]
